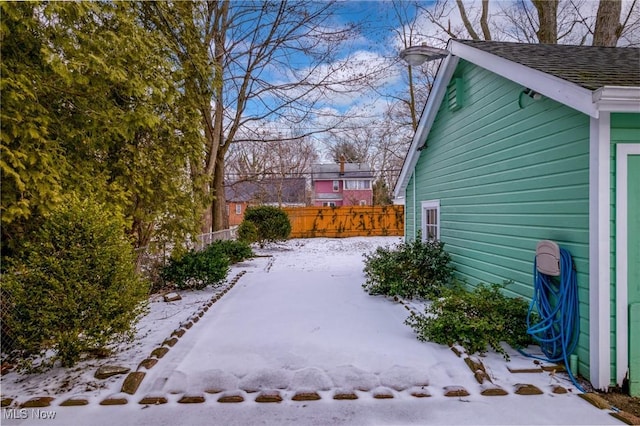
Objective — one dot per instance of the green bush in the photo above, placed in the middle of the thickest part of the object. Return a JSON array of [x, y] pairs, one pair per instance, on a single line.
[[196, 269], [475, 319], [235, 251], [272, 223], [72, 287], [247, 232], [409, 269]]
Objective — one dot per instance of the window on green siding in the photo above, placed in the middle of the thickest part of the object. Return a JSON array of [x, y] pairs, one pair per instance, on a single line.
[[430, 220]]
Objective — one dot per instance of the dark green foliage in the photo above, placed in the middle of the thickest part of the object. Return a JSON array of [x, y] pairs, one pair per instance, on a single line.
[[196, 269], [409, 269], [72, 288], [210, 266], [272, 223], [92, 104], [475, 319], [235, 251], [247, 232]]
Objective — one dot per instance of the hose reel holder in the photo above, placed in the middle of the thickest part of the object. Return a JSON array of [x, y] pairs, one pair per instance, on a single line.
[[548, 258]]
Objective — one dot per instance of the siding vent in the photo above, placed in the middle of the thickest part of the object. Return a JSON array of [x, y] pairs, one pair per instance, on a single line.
[[455, 94]]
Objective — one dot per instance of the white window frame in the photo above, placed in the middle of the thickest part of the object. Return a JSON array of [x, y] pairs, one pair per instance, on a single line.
[[366, 184], [336, 185], [363, 202], [238, 208], [426, 206], [329, 204]]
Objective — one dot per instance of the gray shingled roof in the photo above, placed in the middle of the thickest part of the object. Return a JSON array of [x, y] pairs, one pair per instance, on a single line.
[[588, 66], [332, 171], [287, 190]]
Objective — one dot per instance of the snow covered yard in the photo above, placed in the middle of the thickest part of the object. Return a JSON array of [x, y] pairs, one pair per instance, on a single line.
[[299, 322]]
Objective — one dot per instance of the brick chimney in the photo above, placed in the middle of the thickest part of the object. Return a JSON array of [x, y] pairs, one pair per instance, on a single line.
[[342, 165]]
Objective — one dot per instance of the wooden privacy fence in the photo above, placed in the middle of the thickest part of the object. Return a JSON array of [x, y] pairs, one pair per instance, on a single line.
[[349, 221]]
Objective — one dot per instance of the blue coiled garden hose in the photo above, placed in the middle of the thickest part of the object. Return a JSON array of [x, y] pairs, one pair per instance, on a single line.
[[556, 303]]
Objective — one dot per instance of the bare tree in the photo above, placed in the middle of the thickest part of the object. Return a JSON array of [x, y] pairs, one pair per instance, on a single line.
[[409, 33], [271, 60], [272, 160], [349, 150], [603, 23], [486, 33], [608, 28], [381, 144]]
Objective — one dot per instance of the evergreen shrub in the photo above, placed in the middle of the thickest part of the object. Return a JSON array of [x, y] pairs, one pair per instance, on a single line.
[[235, 251], [475, 319], [409, 269], [247, 232], [196, 269], [272, 223], [72, 286]]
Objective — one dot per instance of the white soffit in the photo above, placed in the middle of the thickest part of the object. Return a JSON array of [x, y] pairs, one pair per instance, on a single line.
[[548, 85]]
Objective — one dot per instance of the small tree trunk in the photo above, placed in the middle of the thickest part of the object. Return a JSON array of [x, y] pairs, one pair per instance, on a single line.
[[548, 20], [219, 205], [608, 28], [207, 220]]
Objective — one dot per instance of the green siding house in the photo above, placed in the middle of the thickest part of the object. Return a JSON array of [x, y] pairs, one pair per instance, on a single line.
[[526, 142]]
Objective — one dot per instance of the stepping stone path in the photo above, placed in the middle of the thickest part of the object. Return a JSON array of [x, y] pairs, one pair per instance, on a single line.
[[455, 391], [132, 382], [232, 397], [153, 400], [306, 396], [275, 385], [116, 399], [382, 393], [172, 297], [75, 401], [191, 399], [342, 394], [269, 396], [107, 371], [527, 389], [37, 402]]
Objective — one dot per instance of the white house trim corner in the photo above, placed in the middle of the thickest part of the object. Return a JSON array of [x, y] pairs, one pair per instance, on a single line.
[[622, 327], [617, 99], [599, 251]]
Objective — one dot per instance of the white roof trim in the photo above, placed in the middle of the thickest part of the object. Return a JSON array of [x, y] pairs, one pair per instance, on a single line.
[[447, 67], [617, 99], [552, 87], [606, 99]]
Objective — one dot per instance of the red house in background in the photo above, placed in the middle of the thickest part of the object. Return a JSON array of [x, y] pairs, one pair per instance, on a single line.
[[284, 192], [344, 184]]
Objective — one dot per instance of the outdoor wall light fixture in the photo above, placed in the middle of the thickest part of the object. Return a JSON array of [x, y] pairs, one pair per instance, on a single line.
[[418, 55], [528, 93], [532, 94]]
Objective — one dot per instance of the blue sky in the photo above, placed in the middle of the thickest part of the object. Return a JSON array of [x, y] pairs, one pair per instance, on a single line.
[[372, 47]]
